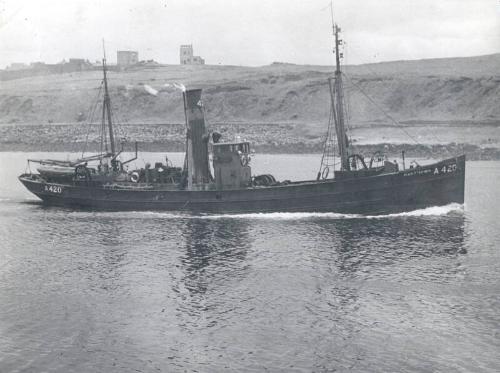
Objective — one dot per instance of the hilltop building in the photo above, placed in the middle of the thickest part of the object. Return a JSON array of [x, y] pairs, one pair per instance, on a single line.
[[187, 57], [76, 64], [38, 65], [14, 66], [16, 70], [127, 58]]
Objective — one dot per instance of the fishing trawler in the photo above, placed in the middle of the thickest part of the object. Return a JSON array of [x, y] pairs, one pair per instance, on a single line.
[[362, 185]]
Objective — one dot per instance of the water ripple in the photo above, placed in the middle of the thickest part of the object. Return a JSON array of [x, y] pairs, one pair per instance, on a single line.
[[149, 291]]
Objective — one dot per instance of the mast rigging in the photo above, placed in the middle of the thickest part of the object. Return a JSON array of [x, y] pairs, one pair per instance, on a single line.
[[106, 109], [337, 117], [337, 97]]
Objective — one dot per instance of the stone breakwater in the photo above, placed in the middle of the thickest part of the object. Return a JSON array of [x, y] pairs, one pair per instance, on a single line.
[[264, 138]]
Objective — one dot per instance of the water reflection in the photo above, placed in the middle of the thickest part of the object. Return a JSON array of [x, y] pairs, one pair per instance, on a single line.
[[368, 271], [363, 243], [215, 250]]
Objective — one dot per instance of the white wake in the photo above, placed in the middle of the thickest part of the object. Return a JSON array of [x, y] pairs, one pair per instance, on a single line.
[[430, 211]]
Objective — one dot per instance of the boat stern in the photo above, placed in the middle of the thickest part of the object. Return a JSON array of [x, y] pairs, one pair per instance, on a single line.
[[39, 187], [33, 183]]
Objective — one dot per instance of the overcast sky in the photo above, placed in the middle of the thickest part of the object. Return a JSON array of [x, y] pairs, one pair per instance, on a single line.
[[247, 32]]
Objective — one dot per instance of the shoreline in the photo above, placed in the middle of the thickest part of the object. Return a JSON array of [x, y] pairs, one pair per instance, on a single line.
[[478, 143], [431, 151]]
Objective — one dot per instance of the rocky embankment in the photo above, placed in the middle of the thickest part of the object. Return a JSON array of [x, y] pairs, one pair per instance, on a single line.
[[265, 138]]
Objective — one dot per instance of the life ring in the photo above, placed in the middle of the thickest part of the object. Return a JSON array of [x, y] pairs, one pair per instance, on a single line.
[[244, 159], [325, 173], [376, 157], [134, 177]]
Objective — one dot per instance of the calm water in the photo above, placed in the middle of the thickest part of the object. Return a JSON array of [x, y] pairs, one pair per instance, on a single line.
[[146, 292]]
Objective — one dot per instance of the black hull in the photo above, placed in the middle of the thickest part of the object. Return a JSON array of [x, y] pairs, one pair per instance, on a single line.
[[433, 185]]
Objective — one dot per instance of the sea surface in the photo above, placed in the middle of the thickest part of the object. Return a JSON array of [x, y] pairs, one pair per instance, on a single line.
[[85, 291]]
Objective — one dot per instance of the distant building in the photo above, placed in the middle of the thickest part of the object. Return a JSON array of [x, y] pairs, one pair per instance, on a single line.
[[187, 58], [77, 61], [76, 64], [127, 58], [37, 65], [17, 66], [38, 68]]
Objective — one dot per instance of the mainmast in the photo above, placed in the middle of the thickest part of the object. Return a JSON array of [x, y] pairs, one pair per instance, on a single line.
[[337, 97], [337, 118], [106, 109]]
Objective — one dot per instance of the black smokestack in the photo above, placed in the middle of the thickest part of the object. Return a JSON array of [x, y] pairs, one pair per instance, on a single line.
[[197, 136]]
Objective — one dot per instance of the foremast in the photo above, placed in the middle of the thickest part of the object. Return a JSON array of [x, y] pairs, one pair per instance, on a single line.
[[106, 108], [337, 102]]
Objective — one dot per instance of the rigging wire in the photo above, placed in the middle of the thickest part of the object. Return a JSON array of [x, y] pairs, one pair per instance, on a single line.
[[115, 121], [91, 119], [328, 158], [118, 121], [104, 140], [382, 110], [329, 143], [325, 144], [345, 99], [395, 77], [347, 103], [75, 146]]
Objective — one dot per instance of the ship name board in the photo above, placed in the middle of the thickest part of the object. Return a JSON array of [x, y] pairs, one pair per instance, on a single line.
[[446, 169], [417, 171]]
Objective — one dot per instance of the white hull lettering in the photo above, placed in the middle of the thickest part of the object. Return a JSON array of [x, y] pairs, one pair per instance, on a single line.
[[56, 189], [446, 169]]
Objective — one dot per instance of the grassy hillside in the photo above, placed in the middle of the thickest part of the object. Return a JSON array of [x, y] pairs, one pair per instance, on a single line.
[[457, 89]]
